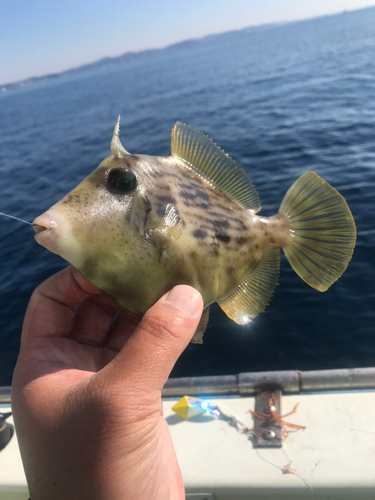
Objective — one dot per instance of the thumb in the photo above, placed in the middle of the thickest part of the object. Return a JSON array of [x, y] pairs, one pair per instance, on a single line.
[[146, 360]]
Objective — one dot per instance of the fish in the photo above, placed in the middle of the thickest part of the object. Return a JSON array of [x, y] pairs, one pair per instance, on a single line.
[[138, 225]]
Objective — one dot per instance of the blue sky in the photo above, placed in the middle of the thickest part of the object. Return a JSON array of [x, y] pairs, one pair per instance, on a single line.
[[38, 37]]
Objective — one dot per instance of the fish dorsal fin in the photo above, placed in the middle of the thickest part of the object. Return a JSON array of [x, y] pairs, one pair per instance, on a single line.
[[252, 296], [210, 162], [117, 149]]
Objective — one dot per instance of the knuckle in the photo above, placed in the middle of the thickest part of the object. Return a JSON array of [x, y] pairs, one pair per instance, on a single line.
[[162, 328]]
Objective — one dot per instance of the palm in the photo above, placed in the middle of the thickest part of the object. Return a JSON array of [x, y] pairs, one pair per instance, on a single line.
[[88, 383], [97, 333]]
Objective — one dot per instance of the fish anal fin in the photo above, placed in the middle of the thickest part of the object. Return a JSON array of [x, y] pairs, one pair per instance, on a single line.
[[169, 228], [201, 328], [251, 297], [210, 162]]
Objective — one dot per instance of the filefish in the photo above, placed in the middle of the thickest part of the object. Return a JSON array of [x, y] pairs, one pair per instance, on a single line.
[[139, 225]]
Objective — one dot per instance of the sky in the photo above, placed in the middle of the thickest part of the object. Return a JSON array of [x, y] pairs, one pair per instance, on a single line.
[[39, 37]]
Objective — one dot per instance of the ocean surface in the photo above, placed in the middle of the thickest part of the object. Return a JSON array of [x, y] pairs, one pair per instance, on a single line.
[[280, 100]]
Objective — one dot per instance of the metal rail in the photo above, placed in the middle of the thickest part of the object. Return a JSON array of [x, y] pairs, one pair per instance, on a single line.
[[289, 381], [246, 384]]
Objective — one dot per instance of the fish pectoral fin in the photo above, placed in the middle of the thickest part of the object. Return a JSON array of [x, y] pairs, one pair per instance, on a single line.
[[201, 328], [252, 296], [169, 228]]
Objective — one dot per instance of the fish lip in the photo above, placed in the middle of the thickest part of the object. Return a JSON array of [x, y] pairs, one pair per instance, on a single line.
[[38, 228], [53, 232], [46, 237], [46, 229]]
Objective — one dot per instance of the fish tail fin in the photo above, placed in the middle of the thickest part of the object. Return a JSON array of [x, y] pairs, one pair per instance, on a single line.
[[323, 231]]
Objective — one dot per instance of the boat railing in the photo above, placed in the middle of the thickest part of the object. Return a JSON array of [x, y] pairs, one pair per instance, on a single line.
[[246, 384], [288, 381]]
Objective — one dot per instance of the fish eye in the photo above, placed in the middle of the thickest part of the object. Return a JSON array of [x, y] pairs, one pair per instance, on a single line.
[[122, 179]]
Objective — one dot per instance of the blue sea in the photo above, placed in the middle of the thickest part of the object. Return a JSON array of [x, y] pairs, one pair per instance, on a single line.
[[280, 100]]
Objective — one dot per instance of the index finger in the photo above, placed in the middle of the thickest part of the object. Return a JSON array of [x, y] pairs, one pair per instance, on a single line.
[[50, 311]]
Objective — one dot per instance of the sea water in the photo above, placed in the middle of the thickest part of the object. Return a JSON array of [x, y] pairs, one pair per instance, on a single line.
[[280, 100]]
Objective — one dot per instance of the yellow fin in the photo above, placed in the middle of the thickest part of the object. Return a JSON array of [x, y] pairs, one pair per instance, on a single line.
[[209, 161], [252, 296], [323, 229]]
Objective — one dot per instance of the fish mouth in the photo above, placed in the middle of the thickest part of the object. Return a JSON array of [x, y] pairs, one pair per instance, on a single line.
[[53, 232], [46, 221], [46, 227], [38, 228]]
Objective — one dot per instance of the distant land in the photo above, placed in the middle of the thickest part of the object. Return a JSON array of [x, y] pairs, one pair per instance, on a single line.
[[129, 57]]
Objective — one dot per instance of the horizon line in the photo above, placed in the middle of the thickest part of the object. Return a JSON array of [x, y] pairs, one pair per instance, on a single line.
[[30, 79]]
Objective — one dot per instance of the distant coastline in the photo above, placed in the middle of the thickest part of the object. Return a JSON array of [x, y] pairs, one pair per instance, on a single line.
[[129, 57]]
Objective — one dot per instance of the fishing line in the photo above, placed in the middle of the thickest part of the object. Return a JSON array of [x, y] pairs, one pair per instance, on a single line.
[[17, 218], [286, 469]]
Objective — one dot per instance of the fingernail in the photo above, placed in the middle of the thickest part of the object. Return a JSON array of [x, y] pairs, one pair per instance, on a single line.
[[184, 298]]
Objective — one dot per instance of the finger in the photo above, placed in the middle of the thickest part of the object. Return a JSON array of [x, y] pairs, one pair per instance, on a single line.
[[50, 311], [93, 319], [148, 357], [122, 328]]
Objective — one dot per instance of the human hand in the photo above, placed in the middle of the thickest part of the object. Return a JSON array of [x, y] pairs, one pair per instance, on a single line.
[[86, 392]]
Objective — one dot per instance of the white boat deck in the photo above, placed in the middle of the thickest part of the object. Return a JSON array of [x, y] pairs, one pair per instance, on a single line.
[[333, 458]]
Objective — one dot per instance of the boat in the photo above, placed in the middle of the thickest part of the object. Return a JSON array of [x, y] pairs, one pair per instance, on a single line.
[[321, 444]]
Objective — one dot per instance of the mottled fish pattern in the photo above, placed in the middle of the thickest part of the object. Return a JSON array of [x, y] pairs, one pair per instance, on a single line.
[[139, 225]]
